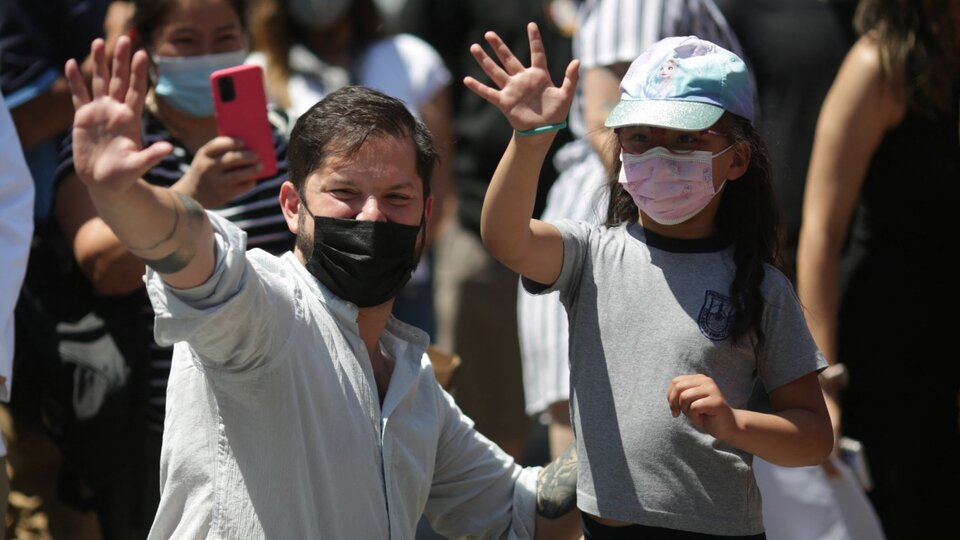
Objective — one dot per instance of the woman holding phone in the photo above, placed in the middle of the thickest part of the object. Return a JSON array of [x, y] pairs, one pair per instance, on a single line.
[[115, 469]]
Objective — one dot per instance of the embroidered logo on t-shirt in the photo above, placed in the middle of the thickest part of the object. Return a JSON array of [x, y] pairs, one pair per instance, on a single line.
[[716, 316]]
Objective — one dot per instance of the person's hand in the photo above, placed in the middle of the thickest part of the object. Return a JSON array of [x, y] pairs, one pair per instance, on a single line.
[[107, 151], [221, 170], [526, 96], [699, 398]]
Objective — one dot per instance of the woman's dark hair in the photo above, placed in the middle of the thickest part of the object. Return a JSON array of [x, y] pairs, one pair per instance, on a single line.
[[917, 41], [747, 218], [148, 14], [339, 124], [274, 32]]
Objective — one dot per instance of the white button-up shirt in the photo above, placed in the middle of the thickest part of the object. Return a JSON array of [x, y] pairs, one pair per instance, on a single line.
[[274, 428]]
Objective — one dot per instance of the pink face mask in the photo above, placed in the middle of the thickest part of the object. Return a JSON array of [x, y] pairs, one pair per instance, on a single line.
[[670, 188]]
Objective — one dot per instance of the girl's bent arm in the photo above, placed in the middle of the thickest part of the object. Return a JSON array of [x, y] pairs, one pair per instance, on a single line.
[[797, 433]]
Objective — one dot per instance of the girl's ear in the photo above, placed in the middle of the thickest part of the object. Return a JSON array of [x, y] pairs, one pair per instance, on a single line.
[[740, 161]]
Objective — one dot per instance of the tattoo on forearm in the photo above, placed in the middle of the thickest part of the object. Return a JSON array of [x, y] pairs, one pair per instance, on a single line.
[[185, 249], [173, 229], [557, 485]]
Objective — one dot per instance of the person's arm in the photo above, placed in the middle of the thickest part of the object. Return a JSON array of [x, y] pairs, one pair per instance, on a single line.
[[601, 93], [797, 433], [478, 491], [168, 231], [16, 230], [50, 113], [858, 110], [103, 259], [528, 99]]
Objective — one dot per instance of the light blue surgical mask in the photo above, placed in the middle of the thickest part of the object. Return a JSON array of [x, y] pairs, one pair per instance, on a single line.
[[184, 81]]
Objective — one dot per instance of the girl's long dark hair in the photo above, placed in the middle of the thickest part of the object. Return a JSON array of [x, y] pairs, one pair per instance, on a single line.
[[747, 217]]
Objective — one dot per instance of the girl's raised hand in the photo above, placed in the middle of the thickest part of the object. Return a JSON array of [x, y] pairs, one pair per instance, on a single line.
[[107, 150], [526, 95]]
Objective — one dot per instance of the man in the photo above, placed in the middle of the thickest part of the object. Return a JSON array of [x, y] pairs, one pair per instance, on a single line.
[[297, 406]]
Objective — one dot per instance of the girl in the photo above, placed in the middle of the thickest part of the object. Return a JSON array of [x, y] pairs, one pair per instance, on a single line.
[[677, 294]]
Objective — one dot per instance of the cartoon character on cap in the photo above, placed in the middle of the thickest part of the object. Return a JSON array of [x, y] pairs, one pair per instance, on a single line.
[[683, 83]]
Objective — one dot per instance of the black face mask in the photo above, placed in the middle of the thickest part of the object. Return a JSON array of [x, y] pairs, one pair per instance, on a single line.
[[364, 262]]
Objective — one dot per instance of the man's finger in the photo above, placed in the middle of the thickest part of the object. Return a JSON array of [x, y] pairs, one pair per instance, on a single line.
[[78, 87], [101, 75], [120, 77]]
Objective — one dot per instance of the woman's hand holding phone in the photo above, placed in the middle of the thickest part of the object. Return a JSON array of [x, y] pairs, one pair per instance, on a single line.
[[223, 169]]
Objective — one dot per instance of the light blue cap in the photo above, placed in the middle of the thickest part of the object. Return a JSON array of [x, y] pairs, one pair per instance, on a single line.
[[683, 83]]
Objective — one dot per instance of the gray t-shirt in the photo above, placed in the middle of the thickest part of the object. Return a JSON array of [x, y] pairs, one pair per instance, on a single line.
[[642, 310]]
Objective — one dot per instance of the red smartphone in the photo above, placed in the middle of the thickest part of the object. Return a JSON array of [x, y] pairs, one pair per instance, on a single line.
[[240, 104]]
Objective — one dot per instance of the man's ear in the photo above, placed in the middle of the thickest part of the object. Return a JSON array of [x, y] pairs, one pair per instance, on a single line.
[[427, 209], [290, 205], [740, 161]]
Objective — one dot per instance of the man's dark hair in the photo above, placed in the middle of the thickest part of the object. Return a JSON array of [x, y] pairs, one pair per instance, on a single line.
[[339, 124]]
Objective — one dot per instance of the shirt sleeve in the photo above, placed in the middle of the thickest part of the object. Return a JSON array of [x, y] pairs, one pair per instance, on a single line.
[[478, 490], [241, 317], [16, 230], [576, 238], [789, 351]]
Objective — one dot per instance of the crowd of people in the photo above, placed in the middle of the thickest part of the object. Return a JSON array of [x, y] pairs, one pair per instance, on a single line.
[[666, 241]]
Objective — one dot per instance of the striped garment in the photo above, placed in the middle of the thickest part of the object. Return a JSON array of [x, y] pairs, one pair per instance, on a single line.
[[257, 212]]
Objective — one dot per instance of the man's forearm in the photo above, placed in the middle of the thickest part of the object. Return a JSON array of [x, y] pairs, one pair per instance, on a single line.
[[168, 231], [557, 485]]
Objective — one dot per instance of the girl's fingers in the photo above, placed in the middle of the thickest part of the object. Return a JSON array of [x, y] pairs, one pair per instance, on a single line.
[[538, 56], [101, 75], [504, 54], [491, 68], [78, 87], [570, 77], [482, 90], [120, 76]]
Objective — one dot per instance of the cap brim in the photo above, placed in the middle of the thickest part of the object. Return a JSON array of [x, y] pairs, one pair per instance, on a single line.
[[682, 115]]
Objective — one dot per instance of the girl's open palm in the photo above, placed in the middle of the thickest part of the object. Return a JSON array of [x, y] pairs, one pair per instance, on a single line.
[[526, 95], [107, 150]]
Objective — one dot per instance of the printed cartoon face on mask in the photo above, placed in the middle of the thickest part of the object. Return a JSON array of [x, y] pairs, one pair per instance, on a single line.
[[670, 188]]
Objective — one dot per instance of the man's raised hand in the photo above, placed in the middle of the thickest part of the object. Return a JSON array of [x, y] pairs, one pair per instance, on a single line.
[[107, 151]]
